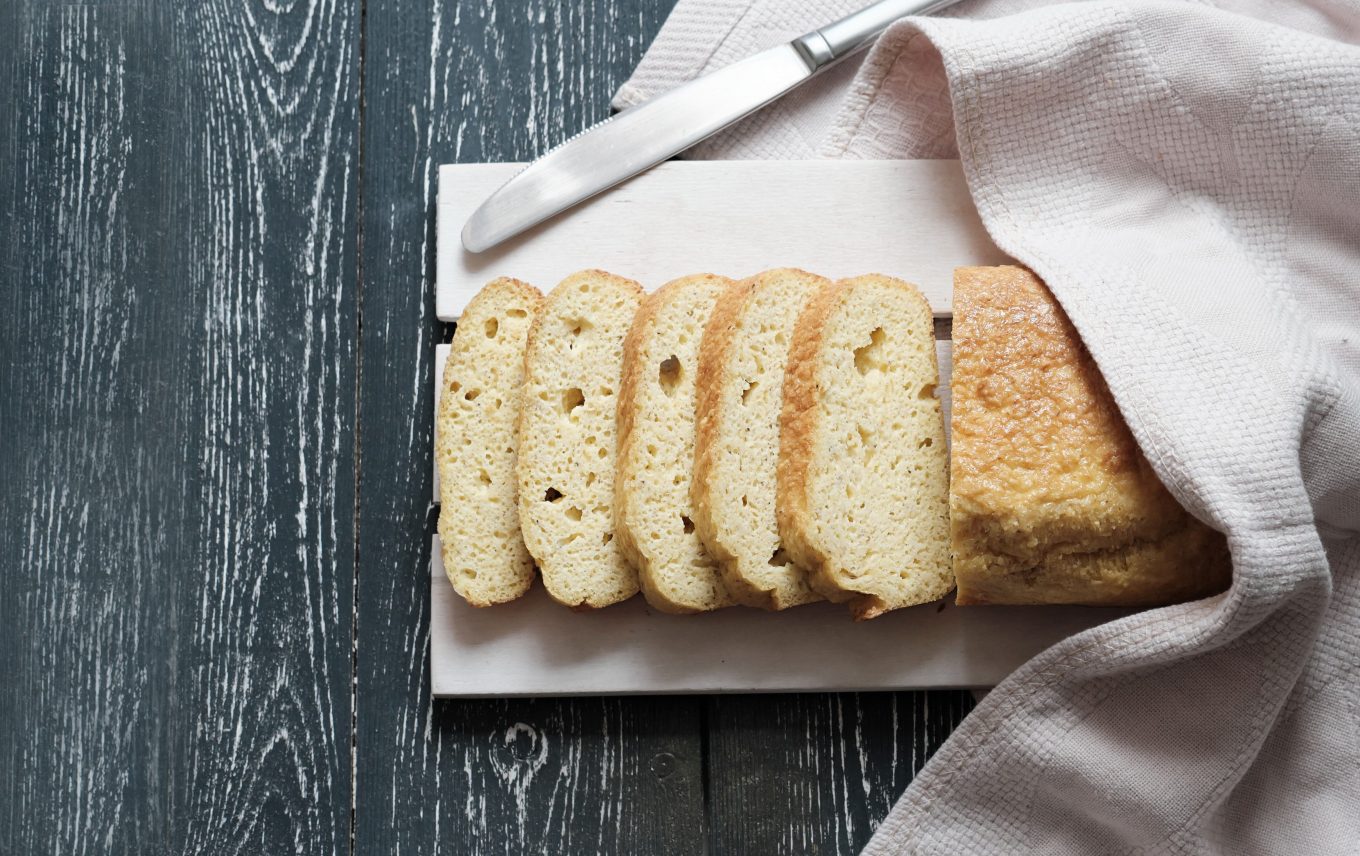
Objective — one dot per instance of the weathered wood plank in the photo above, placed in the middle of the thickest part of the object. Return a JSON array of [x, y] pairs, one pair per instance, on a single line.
[[816, 774], [177, 324], [470, 81]]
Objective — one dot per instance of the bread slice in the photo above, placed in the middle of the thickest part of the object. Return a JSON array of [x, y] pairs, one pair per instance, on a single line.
[[1052, 500], [652, 513], [484, 554], [573, 370], [863, 499], [736, 448]]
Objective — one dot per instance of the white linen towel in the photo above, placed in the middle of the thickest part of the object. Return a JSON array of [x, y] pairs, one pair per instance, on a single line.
[[1186, 179]]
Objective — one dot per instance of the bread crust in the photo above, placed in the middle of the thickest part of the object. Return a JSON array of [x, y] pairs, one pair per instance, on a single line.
[[715, 351], [636, 367], [476, 312], [1052, 501]]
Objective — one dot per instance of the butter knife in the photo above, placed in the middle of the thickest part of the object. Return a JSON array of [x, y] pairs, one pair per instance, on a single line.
[[641, 137]]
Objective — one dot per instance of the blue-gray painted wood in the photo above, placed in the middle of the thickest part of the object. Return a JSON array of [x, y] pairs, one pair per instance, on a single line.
[[177, 335]]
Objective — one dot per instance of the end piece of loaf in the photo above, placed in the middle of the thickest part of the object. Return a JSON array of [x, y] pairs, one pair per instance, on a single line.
[[1052, 500], [483, 551], [863, 468], [567, 439], [739, 396], [653, 516]]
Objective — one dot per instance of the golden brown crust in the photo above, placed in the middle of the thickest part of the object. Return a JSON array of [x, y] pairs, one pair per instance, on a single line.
[[1052, 500], [633, 371]]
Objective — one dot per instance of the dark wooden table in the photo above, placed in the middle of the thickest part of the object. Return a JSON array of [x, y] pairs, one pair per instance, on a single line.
[[216, 336]]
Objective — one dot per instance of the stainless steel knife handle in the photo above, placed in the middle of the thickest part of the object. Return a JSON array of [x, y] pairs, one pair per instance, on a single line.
[[837, 40]]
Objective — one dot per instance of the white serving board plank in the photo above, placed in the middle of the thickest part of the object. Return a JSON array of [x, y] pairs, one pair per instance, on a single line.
[[913, 219], [534, 647]]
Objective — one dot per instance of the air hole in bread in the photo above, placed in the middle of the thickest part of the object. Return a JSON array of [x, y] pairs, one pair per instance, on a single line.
[[492, 328], [572, 399], [454, 385], [603, 452], [651, 448], [552, 495], [746, 393], [870, 357], [744, 501], [485, 477], [608, 536], [577, 326], [779, 559], [687, 523], [517, 313], [669, 374], [573, 513], [927, 391], [590, 479], [866, 439], [926, 443], [471, 394]]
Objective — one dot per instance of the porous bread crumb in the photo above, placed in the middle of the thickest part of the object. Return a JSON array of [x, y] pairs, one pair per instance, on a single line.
[[653, 516], [863, 498], [740, 392], [573, 370], [475, 445]]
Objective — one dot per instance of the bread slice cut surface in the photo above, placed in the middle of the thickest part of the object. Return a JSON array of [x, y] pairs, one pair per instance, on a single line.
[[863, 490], [476, 448], [567, 439], [738, 399], [652, 510]]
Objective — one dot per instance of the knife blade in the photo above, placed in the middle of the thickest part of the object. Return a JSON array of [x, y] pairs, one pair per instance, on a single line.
[[660, 128]]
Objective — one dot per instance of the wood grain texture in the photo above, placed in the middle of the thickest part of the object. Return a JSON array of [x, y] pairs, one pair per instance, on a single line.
[[177, 319], [479, 81], [816, 774]]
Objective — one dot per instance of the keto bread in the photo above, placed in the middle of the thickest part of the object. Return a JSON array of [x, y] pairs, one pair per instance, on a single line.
[[863, 487], [484, 554], [573, 370], [652, 514], [739, 395], [1052, 501]]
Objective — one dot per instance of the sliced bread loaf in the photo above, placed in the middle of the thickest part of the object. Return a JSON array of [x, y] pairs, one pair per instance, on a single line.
[[573, 370], [739, 394], [863, 497], [1052, 500], [475, 445], [653, 518]]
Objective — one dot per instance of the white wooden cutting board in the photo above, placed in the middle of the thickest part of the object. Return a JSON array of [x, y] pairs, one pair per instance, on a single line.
[[912, 219]]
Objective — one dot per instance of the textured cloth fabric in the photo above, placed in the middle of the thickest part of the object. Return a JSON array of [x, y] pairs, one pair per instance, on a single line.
[[1186, 179]]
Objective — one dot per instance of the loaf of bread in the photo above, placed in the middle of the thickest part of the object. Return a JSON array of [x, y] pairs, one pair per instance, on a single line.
[[652, 513], [1052, 501], [567, 447], [475, 446], [863, 498], [739, 395]]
